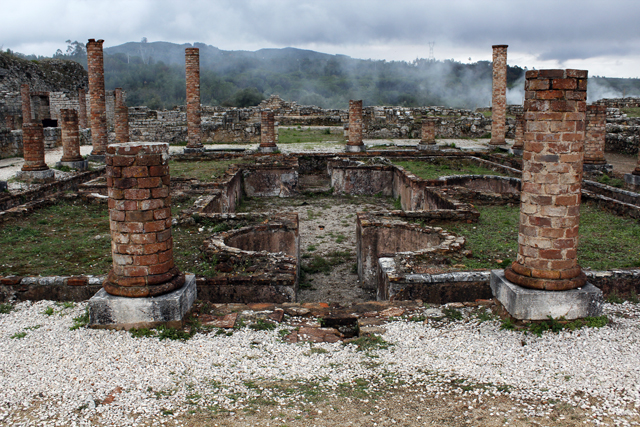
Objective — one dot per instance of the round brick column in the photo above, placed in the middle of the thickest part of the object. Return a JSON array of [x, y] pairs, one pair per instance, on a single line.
[[25, 95], [70, 136], [518, 144], [355, 143], [267, 132], [194, 131], [97, 97], [555, 106], [121, 117], [33, 141], [428, 136], [140, 220], [595, 135], [82, 109], [499, 95]]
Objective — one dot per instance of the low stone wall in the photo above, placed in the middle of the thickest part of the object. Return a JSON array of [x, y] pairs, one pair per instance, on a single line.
[[11, 143]]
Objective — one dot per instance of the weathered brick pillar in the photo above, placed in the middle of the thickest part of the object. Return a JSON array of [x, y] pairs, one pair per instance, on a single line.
[[121, 117], [33, 140], [267, 132], [555, 106], [82, 109], [595, 135], [518, 144], [428, 136], [25, 95], [70, 136], [355, 144], [140, 220], [194, 131], [97, 98], [11, 124], [499, 95]]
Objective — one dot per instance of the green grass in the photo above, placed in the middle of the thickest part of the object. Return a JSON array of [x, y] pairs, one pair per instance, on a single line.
[[304, 135], [205, 170], [433, 170], [631, 112]]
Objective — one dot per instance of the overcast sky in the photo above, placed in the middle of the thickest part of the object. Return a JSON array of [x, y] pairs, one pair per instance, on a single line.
[[600, 36]]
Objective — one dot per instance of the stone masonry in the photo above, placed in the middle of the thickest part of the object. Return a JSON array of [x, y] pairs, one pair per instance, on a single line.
[[428, 135], [97, 95], [499, 95], [121, 118], [26, 103], [595, 135], [518, 144], [355, 144], [555, 107], [82, 109], [267, 132], [140, 219], [194, 131]]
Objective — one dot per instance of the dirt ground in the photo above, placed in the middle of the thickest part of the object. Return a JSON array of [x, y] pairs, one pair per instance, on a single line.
[[622, 163]]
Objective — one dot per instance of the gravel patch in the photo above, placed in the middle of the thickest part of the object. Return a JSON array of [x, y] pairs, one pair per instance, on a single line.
[[51, 375]]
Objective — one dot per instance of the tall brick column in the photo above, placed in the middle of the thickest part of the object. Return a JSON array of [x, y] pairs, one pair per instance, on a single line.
[[499, 95], [97, 98], [518, 144], [25, 95], [428, 136], [140, 219], [595, 138], [267, 132], [194, 131], [82, 109], [71, 140], [355, 144], [121, 117], [34, 168], [555, 106]]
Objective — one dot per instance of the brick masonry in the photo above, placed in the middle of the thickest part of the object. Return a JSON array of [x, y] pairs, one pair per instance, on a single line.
[[138, 183], [70, 136], [121, 117], [428, 135], [595, 135], [499, 95], [26, 103], [97, 96], [192, 68], [82, 109], [33, 140], [518, 143], [355, 123], [267, 129], [555, 113]]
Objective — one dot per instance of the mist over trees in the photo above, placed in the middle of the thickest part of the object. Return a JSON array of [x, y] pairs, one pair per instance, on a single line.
[[153, 74]]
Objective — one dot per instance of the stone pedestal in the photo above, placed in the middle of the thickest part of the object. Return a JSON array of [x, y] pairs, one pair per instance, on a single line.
[[533, 304], [355, 144], [499, 95]]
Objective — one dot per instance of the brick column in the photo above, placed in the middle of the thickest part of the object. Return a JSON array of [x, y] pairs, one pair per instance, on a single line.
[[499, 95], [428, 136], [82, 109], [194, 131], [11, 124], [518, 144], [267, 132], [121, 117], [355, 144], [595, 135], [70, 136], [97, 98], [555, 106], [33, 141], [25, 95], [140, 220]]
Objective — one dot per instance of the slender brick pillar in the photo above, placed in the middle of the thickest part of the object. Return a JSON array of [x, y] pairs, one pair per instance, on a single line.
[[267, 132], [97, 98], [194, 131], [355, 144], [555, 106], [499, 95], [82, 109], [140, 220], [25, 94], [428, 137], [518, 144], [121, 117], [595, 136]]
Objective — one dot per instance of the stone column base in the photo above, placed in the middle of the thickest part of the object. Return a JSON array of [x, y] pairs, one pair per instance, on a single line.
[[80, 165], [632, 179], [428, 147], [533, 304], [113, 312], [355, 148], [197, 150], [267, 149], [36, 177], [597, 167], [97, 158]]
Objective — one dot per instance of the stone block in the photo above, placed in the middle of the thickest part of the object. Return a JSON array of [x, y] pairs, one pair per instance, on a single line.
[[632, 179], [428, 147], [532, 304], [266, 149], [355, 148], [80, 165], [36, 177], [114, 312]]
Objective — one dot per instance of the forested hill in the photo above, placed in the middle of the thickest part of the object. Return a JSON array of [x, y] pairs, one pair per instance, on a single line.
[[153, 75]]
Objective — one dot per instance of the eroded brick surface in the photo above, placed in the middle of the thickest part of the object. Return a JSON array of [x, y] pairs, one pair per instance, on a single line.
[[33, 140], [95, 63], [355, 123], [499, 95], [192, 64], [595, 134], [82, 109], [518, 143], [25, 94], [428, 131], [70, 136], [267, 129], [121, 117]]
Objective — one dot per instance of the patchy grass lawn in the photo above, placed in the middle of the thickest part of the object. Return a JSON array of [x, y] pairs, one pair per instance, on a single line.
[[433, 170], [631, 111], [303, 134], [206, 170]]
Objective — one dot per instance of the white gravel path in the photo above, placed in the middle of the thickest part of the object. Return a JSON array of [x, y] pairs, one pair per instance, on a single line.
[[54, 376]]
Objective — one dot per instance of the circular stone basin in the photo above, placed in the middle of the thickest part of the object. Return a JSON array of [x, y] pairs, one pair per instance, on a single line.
[[270, 238]]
